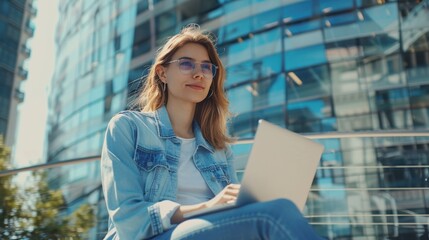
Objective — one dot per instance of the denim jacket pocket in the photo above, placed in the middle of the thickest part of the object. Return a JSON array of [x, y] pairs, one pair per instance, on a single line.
[[225, 176], [219, 174], [155, 171]]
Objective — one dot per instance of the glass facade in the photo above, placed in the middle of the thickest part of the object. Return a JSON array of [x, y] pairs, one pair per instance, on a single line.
[[312, 66], [16, 28]]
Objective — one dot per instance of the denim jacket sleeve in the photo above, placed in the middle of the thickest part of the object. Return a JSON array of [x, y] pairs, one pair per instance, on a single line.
[[231, 168], [123, 186]]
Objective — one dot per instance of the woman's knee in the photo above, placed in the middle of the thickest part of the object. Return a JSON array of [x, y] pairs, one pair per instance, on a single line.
[[282, 204], [283, 208]]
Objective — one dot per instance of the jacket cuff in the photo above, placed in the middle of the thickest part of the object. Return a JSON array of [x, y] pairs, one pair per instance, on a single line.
[[160, 215]]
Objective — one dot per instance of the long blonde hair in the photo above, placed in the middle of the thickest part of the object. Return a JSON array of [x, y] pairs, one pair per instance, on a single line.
[[211, 113]]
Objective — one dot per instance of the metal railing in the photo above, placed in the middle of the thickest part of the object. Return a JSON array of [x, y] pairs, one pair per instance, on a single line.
[[371, 185], [327, 135]]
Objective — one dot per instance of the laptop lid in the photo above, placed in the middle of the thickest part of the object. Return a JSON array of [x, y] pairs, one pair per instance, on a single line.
[[282, 164]]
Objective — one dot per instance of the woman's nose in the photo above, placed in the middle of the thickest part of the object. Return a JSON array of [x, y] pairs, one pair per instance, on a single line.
[[198, 72]]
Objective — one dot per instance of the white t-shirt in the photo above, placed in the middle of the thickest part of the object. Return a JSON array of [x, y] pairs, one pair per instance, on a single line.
[[191, 187]]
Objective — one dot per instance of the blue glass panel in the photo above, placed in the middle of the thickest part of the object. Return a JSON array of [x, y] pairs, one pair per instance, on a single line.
[[267, 66], [297, 11], [240, 100], [266, 19], [379, 18], [390, 105], [379, 44], [165, 22], [96, 109], [329, 125], [235, 5], [419, 101], [238, 52], [341, 19], [235, 29], [97, 92], [120, 82], [304, 57], [267, 43], [306, 116], [274, 115], [327, 6], [212, 15], [392, 99], [269, 92], [303, 27], [239, 73], [142, 6], [343, 50], [242, 126], [257, 95], [277, 94]]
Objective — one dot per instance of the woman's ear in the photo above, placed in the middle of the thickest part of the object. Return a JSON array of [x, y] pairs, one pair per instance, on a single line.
[[160, 71]]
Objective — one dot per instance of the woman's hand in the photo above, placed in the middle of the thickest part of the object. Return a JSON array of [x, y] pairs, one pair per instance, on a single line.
[[227, 195]]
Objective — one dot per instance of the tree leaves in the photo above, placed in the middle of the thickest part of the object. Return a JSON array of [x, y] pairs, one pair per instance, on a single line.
[[37, 212]]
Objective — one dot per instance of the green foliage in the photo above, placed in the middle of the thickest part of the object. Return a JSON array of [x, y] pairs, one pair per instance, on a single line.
[[35, 212]]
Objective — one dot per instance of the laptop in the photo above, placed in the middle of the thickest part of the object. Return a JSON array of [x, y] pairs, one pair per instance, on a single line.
[[282, 164]]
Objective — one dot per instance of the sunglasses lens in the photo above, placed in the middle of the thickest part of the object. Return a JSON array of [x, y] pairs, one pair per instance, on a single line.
[[186, 66], [208, 69]]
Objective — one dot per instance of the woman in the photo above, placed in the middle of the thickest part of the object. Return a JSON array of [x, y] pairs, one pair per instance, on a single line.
[[173, 157]]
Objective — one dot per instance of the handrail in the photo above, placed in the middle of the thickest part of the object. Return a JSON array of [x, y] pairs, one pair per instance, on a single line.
[[326, 135], [363, 134], [49, 165]]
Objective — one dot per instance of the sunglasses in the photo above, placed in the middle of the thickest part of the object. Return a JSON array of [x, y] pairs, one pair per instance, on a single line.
[[188, 66]]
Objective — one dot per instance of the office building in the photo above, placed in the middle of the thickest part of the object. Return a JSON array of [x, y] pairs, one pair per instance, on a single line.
[[312, 66], [16, 28]]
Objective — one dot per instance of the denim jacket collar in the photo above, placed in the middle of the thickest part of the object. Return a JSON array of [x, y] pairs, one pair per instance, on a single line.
[[165, 130]]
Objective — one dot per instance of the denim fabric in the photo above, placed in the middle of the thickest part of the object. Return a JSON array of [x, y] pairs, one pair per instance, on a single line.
[[139, 165], [277, 219]]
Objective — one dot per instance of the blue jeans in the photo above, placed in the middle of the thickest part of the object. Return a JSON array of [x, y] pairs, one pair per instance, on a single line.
[[277, 219]]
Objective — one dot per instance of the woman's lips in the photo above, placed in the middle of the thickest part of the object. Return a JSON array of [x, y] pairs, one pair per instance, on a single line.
[[196, 87]]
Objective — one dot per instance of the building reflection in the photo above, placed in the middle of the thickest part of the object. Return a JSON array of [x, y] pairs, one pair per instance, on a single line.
[[312, 66]]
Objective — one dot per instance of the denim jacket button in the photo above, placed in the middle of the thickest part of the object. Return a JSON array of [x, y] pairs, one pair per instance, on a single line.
[[149, 164], [213, 179]]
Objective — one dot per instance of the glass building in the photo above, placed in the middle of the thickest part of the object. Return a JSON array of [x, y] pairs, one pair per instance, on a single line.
[[16, 29], [312, 66]]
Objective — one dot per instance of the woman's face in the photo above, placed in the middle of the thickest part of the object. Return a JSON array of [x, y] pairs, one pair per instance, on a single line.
[[189, 74]]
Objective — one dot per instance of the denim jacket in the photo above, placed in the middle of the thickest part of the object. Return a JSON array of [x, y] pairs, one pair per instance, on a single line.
[[139, 165]]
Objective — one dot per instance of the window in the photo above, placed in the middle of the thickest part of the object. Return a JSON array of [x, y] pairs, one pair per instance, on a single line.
[[4, 106], [310, 115], [235, 29], [305, 57], [165, 25], [419, 101], [141, 43], [3, 127], [142, 6], [328, 6], [296, 11], [391, 108], [309, 82], [8, 57], [343, 50], [303, 27], [266, 19], [378, 19]]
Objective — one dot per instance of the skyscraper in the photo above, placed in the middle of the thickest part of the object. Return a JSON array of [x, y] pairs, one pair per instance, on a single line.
[[312, 66], [16, 28]]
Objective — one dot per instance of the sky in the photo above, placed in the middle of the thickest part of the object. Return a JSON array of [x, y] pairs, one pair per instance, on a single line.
[[32, 113]]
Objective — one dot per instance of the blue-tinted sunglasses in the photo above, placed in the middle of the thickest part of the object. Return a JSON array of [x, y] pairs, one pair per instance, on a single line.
[[188, 66]]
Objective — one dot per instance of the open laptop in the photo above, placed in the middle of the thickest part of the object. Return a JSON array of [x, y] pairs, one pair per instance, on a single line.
[[282, 164]]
